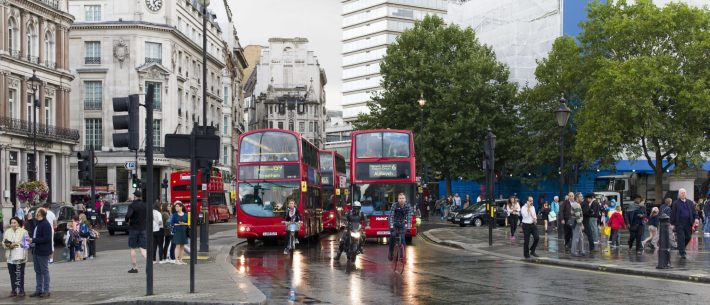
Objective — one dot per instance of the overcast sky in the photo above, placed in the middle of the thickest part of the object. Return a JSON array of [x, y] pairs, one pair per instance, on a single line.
[[318, 20]]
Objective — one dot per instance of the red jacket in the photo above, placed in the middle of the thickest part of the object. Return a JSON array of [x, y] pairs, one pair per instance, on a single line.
[[617, 221]]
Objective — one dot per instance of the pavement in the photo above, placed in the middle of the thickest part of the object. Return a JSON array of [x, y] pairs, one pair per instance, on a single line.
[[551, 252], [105, 280]]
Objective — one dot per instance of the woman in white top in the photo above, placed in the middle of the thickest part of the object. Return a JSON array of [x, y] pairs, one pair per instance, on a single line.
[[158, 233], [16, 244], [529, 228], [512, 208]]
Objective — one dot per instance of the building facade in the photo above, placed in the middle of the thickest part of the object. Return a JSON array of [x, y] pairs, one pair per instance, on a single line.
[[122, 47], [289, 90], [34, 41], [369, 26]]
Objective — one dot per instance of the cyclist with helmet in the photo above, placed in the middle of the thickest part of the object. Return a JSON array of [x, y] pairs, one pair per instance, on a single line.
[[354, 216], [400, 219]]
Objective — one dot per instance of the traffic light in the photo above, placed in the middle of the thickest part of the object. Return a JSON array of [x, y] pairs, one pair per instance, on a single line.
[[136, 183], [86, 160], [129, 121]]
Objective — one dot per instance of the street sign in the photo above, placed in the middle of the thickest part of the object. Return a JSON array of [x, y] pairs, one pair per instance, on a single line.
[[130, 165]]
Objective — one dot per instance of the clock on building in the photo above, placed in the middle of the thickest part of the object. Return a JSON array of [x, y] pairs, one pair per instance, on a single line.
[[154, 5]]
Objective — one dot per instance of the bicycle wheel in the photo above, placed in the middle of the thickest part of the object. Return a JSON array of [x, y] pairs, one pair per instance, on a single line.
[[399, 265], [395, 257]]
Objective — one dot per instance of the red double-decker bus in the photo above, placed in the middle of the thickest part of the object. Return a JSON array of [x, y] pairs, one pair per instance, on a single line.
[[216, 199], [332, 170], [382, 165], [275, 166]]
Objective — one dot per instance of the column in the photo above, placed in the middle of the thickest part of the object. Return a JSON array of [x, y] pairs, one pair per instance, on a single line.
[[65, 48], [66, 113], [3, 29], [23, 34], [23, 98], [58, 104], [40, 40], [3, 98], [58, 54], [40, 102]]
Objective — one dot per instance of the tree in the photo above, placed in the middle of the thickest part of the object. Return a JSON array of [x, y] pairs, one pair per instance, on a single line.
[[647, 92], [466, 90], [537, 137]]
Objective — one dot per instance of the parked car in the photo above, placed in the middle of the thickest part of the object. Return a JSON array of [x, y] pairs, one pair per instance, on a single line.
[[117, 218], [473, 215], [452, 214], [65, 213], [500, 214]]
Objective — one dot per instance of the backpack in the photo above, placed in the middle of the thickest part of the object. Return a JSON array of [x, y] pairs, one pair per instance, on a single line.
[[84, 230]]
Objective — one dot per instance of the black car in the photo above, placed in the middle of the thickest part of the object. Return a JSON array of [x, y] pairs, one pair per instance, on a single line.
[[473, 215], [500, 214], [117, 218], [452, 213], [64, 213]]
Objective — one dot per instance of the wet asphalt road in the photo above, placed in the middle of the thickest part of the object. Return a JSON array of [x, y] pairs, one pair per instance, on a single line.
[[441, 275]]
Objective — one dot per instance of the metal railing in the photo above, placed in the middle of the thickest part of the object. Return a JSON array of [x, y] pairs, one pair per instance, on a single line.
[[46, 132], [50, 64], [52, 3], [92, 104], [16, 53], [149, 60], [92, 60]]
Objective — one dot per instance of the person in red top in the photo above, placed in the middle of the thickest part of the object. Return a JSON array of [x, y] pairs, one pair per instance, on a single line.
[[616, 222]]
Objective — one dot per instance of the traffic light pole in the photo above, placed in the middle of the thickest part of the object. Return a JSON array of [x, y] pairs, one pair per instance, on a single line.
[[204, 228], [193, 208], [92, 155], [149, 190]]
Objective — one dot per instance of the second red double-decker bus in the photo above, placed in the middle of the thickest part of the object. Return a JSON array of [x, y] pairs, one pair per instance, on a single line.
[[332, 170], [382, 165], [276, 166], [216, 200]]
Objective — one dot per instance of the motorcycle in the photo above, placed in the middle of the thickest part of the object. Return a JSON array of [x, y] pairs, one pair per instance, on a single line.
[[352, 244]]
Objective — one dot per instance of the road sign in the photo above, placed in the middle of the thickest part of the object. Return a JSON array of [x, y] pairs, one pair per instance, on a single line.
[[130, 165]]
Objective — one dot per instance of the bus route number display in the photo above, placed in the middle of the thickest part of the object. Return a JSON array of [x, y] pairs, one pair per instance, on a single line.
[[278, 171], [383, 170]]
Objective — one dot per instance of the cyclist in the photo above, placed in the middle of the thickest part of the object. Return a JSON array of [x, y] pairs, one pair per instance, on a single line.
[[400, 219], [291, 215], [354, 216]]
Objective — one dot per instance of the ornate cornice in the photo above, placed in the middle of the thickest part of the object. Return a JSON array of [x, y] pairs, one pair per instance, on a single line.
[[39, 9]]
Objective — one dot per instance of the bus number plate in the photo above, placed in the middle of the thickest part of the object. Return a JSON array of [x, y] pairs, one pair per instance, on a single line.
[[383, 232], [269, 234]]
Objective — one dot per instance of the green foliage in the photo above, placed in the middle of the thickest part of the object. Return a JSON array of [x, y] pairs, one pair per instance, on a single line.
[[466, 90]]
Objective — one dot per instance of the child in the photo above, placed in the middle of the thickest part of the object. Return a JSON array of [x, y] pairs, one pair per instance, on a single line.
[[616, 223]]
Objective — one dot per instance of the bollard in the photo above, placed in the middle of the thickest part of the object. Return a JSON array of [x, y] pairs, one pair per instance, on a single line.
[[664, 243]]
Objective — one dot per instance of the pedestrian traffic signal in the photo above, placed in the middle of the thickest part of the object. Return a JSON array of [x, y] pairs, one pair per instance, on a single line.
[[136, 183], [129, 122], [86, 162]]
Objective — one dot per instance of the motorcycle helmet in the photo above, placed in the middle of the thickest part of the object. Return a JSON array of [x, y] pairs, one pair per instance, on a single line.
[[356, 206]]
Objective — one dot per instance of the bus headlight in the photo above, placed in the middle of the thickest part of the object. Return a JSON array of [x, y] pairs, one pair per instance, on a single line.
[[331, 216], [355, 234], [242, 229]]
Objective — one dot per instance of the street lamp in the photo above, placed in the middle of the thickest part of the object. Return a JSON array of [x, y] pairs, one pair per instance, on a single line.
[[422, 102], [562, 115], [34, 82]]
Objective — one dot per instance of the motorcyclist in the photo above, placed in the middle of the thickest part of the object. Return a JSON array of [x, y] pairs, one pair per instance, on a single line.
[[400, 218], [291, 215], [354, 216]]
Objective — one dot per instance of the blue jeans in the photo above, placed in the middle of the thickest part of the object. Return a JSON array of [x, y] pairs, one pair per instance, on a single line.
[[41, 264], [402, 232], [706, 229], [172, 251]]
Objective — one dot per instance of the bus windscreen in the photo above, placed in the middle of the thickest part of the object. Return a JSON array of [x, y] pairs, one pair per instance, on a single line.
[[382, 145], [268, 146]]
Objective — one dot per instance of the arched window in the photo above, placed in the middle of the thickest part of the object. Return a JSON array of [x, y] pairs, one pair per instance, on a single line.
[[48, 49], [12, 33], [31, 42]]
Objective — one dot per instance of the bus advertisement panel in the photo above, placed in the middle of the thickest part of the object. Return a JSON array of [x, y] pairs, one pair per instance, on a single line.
[[276, 166], [383, 166]]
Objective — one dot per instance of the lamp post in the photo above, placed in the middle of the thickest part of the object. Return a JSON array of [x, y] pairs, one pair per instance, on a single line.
[[562, 116], [34, 82], [489, 162], [422, 102], [204, 233]]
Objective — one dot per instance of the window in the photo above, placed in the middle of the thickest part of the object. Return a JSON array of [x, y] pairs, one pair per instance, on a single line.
[[13, 158], [288, 76], [316, 127], [179, 25], [310, 126], [271, 124], [93, 95], [281, 125], [92, 13], [48, 50], [290, 126], [385, 144], [93, 52], [179, 100], [93, 134], [225, 154], [48, 111], [268, 146], [12, 35], [153, 52], [226, 94], [30, 97], [32, 45], [156, 94], [226, 126], [301, 127], [156, 133], [12, 103]]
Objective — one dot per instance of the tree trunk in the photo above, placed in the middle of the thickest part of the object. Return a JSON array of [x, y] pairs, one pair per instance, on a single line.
[[448, 184], [658, 175]]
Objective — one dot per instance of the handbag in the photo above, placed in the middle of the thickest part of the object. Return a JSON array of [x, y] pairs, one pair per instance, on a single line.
[[606, 230]]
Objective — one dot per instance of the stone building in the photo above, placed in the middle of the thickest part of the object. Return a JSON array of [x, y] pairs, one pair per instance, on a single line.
[[34, 40], [289, 90], [119, 48]]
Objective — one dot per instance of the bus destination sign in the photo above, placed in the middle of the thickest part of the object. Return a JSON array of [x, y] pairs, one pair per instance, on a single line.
[[383, 170], [277, 171]]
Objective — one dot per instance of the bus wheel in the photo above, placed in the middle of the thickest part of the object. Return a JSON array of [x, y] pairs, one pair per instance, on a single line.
[[251, 241]]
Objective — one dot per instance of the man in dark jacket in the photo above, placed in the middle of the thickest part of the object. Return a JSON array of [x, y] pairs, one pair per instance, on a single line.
[[42, 243], [591, 210], [136, 229], [683, 217], [565, 214]]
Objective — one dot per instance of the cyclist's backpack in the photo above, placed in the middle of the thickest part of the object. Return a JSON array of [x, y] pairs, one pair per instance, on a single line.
[[84, 230]]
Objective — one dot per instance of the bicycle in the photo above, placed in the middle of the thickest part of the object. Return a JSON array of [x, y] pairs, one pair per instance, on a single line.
[[398, 256]]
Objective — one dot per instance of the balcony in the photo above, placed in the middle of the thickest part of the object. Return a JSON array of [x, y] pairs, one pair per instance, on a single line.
[[92, 60], [44, 132], [32, 59], [15, 53], [150, 60], [50, 64]]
